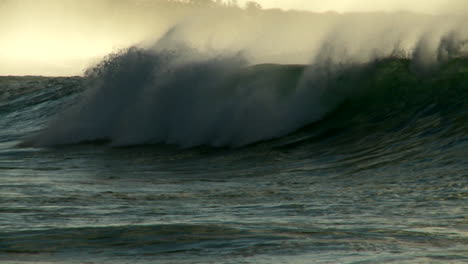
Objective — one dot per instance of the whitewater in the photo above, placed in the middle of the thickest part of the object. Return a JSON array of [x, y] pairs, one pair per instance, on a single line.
[[176, 151]]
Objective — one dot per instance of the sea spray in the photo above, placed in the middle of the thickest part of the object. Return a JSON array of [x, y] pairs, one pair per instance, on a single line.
[[178, 91], [140, 97]]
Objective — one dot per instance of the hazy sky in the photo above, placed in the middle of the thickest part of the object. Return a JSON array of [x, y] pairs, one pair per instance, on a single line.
[[426, 6], [62, 37]]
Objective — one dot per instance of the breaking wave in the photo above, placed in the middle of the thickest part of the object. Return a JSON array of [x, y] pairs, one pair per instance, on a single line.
[[185, 97]]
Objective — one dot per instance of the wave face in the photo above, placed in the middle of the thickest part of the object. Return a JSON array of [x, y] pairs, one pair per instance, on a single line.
[[186, 98], [393, 100]]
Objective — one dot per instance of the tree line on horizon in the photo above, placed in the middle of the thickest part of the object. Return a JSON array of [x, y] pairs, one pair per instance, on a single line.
[[250, 5]]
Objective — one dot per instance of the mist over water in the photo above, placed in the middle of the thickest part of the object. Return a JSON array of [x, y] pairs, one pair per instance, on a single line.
[[253, 75], [52, 37]]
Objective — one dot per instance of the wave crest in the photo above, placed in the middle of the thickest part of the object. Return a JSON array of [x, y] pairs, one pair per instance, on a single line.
[[180, 97], [174, 94]]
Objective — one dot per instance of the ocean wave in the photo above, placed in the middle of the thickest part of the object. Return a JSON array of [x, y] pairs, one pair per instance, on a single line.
[[140, 97], [188, 98]]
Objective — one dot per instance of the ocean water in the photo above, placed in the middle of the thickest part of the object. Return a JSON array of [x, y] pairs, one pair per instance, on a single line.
[[150, 159]]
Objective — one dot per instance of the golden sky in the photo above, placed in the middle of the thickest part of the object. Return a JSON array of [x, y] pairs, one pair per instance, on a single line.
[[63, 37], [425, 6]]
